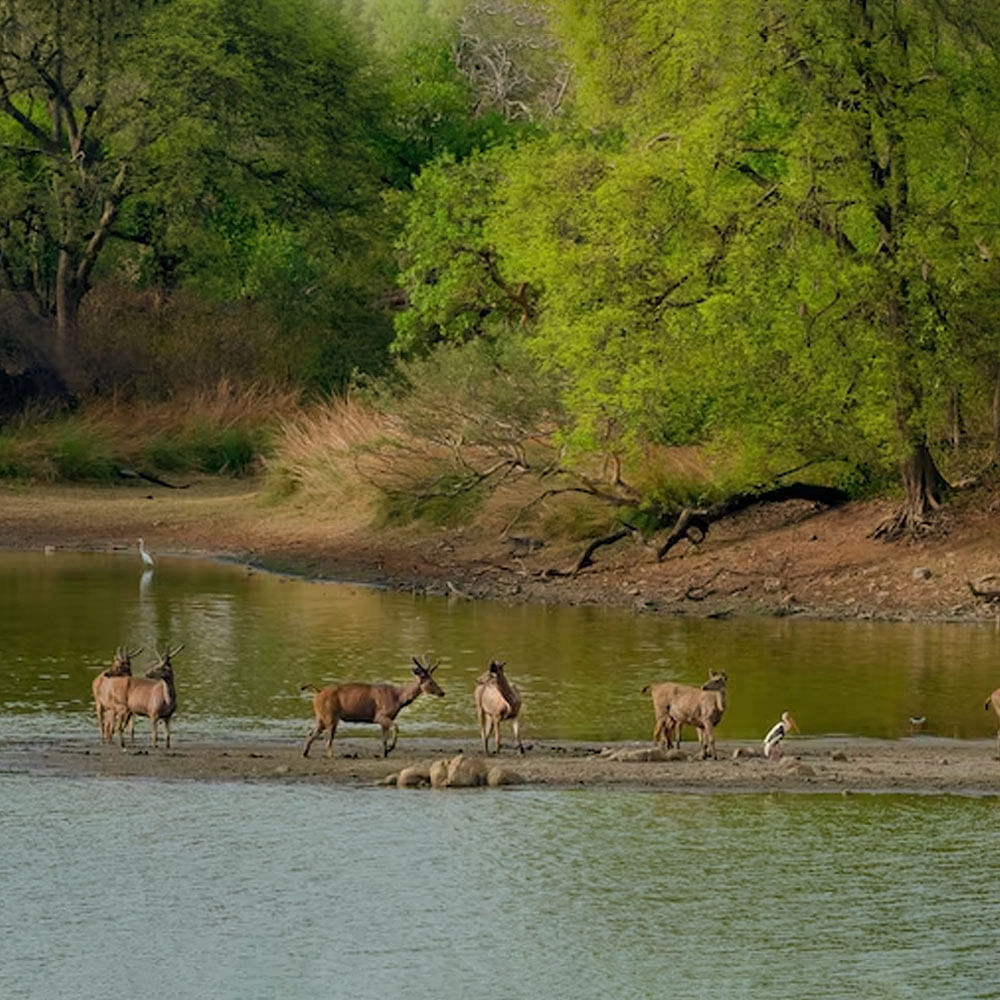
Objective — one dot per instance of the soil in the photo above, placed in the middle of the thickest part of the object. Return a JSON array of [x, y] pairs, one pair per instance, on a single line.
[[788, 560]]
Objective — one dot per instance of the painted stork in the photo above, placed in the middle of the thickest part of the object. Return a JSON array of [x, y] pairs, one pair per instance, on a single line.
[[772, 742]]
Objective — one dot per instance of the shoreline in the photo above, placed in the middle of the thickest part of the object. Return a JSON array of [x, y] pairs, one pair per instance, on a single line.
[[822, 765], [804, 563], [823, 554]]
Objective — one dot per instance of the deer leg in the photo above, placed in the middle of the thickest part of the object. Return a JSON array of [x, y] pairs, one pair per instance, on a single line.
[[516, 724], [707, 737], [484, 730], [166, 726], [154, 725], [330, 732], [313, 733]]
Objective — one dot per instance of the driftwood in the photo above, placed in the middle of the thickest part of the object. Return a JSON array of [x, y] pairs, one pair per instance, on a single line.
[[135, 474], [694, 524], [984, 592]]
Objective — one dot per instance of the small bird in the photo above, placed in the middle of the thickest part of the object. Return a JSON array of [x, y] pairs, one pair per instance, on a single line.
[[147, 559], [772, 742], [917, 722]]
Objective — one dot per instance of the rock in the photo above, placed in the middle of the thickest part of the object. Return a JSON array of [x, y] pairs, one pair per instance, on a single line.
[[838, 755], [466, 772], [499, 775], [415, 776], [633, 755]]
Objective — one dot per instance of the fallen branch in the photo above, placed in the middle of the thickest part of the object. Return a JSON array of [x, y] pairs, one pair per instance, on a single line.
[[587, 558], [134, 474], [989, 594], [694, 524]]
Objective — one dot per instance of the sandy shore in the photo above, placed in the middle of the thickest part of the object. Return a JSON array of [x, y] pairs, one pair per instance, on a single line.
[[844, 574], [828, 765]]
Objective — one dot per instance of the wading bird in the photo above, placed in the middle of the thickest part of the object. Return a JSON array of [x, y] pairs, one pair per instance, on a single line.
[[772, 742], [147, 559]]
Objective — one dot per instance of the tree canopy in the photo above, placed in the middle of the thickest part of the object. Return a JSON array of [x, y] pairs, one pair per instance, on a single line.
[[772, 225], [767, 227]]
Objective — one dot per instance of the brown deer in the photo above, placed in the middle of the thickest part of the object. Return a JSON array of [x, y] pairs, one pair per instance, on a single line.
[[153, 696], [378, 703], [497, 699], [109, 688], [678, 705], [994, 702]]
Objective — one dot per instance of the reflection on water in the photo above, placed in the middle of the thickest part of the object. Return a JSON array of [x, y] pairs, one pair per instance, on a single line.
[[252, 639], [235, 890]]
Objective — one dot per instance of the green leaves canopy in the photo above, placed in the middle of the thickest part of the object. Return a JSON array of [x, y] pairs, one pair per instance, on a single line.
[[772, 228]]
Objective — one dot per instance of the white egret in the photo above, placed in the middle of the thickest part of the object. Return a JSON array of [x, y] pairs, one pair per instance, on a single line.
[[772, 742], [147, 559]]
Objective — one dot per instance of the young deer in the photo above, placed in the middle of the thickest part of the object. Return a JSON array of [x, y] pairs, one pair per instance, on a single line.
[[109, 688], [497, 699]]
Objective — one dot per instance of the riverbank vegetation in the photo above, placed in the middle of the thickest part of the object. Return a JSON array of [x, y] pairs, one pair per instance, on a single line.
[[598, 272]]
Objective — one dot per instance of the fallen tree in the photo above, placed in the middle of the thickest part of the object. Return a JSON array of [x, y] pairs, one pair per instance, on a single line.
[[693, 523]]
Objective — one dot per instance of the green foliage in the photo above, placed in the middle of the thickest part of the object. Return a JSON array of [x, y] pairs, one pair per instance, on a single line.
[[781, 256], [454, 277], [204, 447]]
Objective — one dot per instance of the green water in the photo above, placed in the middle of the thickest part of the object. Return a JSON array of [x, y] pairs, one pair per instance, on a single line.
[[235, 890], [252, 639], [200, 890]]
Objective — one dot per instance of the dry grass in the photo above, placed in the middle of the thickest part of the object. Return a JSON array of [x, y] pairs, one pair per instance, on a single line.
[[222, 430]]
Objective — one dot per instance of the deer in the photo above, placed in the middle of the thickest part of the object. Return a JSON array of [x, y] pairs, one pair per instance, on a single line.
[[358, 702], [678, 705], [993, 701], [153, 696], [109, 690], [497, 699]]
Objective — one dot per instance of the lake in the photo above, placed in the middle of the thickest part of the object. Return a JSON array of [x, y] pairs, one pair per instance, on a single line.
[[219, 890]]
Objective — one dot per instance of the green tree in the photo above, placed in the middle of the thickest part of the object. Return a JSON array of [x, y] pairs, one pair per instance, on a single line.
[[451, 271], [780, 243], [183, 133]]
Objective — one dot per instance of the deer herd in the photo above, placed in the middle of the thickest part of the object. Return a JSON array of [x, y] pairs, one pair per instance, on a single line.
[[119, 697]]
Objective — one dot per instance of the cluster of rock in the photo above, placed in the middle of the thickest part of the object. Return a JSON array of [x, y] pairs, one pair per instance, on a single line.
[[460, 771], [639, 755]]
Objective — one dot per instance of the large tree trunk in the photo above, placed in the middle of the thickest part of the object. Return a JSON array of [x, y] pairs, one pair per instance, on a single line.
[[924, 487], [996, 415], [67, 314]]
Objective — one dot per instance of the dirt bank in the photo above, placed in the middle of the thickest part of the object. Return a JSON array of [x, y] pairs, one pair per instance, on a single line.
[[784, 560], [822, 765]]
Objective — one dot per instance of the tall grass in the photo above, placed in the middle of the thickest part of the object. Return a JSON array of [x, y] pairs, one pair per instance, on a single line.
[[223, 431], [316, 452]]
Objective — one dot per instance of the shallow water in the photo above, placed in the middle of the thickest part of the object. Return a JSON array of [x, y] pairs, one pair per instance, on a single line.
[[252, 639], [223, 890], [204, 889]]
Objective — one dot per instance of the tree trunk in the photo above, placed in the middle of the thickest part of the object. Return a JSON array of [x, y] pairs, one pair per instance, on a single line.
[[924, 487], [67, 313], [996, 415]]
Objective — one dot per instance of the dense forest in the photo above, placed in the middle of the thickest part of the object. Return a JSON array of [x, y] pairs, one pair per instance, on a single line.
[[659, 253]]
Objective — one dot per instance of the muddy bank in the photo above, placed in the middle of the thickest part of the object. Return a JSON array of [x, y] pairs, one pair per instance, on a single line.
[[829, 765], [787, 560]]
